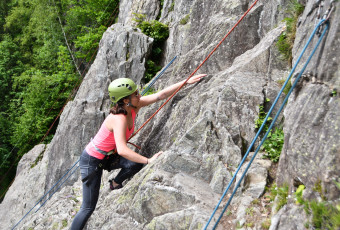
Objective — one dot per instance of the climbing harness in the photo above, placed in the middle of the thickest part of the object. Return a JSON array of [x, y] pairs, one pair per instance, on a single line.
[[210, 54], [110, 160], [75, 169], [322, 22], [102, 151]]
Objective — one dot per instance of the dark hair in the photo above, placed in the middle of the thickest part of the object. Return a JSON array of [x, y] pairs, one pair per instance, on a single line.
[[118, 108]]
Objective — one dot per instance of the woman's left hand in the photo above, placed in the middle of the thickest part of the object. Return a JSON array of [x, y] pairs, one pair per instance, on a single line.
[[196, 78]]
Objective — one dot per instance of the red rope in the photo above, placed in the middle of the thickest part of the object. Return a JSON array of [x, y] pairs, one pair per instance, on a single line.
[[195, 69]]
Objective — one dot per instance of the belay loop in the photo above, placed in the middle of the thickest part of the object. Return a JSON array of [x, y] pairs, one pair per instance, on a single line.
[[109, 162]]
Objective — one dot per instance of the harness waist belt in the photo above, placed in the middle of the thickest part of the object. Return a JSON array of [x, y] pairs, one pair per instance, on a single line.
[[102, 151]]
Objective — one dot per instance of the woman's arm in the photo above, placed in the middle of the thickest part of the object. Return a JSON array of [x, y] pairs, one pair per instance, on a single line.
[[165, 93], [119, 124]]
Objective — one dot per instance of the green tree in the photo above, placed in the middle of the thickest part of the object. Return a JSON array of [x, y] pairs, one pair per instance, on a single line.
[[39, 99], [86, 21], [5, 6], [41, 40], [10, 65]]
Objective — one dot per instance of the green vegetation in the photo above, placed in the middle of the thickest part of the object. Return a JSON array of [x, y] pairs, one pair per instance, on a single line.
[[159, 32], [250, 211], [266, 223], [272, 192], [318, 188], [273, 145], [255, 201], [286, 39], [334, 93], [151, 70], [37, 160], [161, 4], [249, 225], [275, 139], [172, 7], [298, 194], [278, 193], [281, 196], [37, 67], [64, 223], [325, 215], [184, 20], [238, 225], [149, 92], [287, 87], [262, 116], [337, 184]]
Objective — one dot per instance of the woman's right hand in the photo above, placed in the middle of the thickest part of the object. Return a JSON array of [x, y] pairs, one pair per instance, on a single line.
[[155, 156]]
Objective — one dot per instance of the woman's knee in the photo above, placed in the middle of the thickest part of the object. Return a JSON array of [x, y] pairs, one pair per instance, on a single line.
[[136, 166], [87, 211]]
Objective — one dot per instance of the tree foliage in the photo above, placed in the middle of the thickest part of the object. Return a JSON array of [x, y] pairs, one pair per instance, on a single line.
[[159, 32], [41, 42]]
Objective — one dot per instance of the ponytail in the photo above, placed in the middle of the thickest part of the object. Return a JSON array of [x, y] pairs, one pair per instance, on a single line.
[[118, 108]]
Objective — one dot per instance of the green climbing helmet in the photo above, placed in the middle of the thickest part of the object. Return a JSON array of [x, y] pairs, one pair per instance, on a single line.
[[121, 88]]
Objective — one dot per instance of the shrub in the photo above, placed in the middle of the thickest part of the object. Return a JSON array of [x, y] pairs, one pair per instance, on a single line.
[[159, 32], [274, 142], [282, 194], [324, 215], [154, 29], [286, 39], [273, 145]]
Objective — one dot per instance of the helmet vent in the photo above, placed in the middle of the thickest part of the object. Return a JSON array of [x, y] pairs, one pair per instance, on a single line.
[[120, 88], [126, 85]]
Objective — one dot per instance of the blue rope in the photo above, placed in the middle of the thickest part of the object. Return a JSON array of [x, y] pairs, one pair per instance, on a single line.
[[57, 188], [271, 125], [262, 126], [144, 91], [160, 74], [44, 195]]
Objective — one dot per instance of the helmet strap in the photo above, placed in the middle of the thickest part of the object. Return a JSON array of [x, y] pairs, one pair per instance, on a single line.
[[129, 104]]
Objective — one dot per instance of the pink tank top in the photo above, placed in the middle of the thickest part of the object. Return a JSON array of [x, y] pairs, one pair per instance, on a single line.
[[105, 140]]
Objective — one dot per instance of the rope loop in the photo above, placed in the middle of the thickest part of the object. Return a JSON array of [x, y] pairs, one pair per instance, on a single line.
[[325, 16]]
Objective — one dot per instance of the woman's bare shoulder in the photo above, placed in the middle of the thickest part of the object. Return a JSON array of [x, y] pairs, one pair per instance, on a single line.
[[115, 119]]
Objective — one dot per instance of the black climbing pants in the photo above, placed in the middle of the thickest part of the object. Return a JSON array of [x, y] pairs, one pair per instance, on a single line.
[[88, 165]]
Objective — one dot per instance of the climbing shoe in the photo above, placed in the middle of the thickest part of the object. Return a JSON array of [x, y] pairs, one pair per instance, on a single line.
[[114, 187]]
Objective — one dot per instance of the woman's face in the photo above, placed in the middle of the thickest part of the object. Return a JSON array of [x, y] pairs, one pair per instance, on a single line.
[[135, 97]]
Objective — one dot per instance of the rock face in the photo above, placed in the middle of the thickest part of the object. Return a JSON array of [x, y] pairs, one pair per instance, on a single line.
[[311, 153], [26, 189], [205, 129], [83, 116]]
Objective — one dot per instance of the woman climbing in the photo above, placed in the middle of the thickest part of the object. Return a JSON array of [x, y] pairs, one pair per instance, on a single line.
[[113, 135]]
